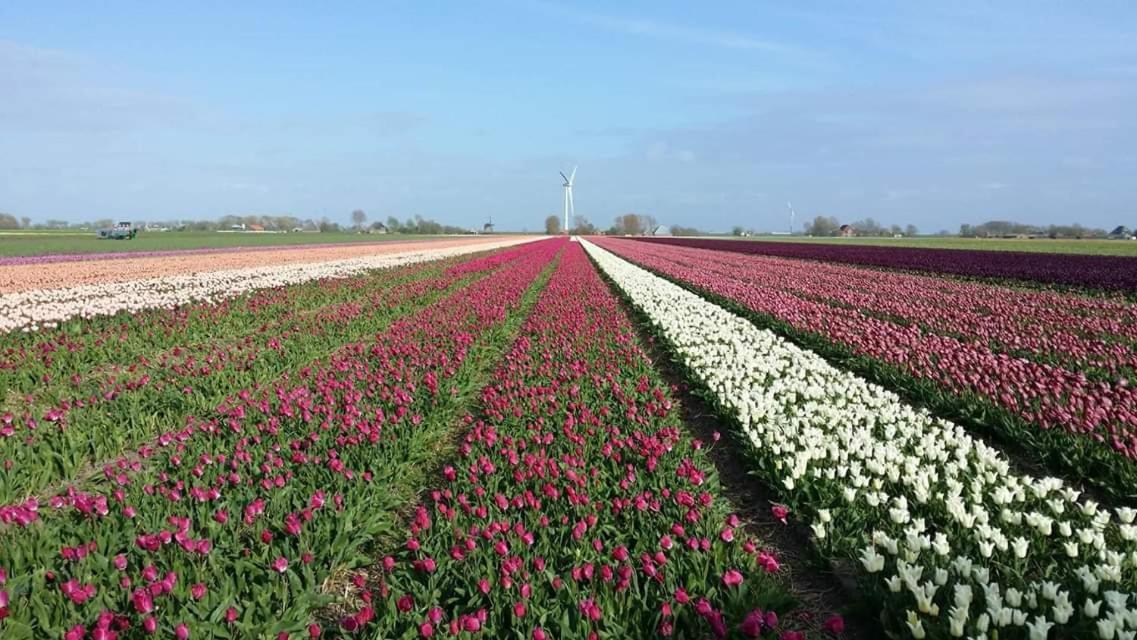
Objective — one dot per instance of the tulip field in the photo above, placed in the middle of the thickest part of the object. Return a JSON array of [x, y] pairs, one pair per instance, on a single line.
[[480, 439]]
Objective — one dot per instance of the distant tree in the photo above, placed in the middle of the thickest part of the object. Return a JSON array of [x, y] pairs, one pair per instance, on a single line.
[[965, 231], [631, 224], [911, 231], [358, 217], [823, 226], [327, 226], [643, 224], [430, 227], [895, 230], [737, 231], [8, 221], [869, 227], [649, 224], [943, 233], [582, 227], [286, 223], [393, 224], [677, 230], [25, 221], [410, 226], [552, 225]]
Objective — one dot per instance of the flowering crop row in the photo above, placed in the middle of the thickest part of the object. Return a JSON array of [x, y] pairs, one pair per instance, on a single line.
[[952, 542], [1100, 272], [32, 310], [234, 522], [121, 255], [29, 360], [577, 507], [1087, 428], [60, 431], [1092, 334]]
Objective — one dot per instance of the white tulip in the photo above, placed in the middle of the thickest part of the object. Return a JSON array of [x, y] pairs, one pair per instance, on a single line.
[[1039, 628], [872, 561], [915, 625]]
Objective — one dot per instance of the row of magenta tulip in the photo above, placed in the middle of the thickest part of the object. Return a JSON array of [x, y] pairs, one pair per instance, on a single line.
[[577, 507], [231, 524], [1081, 428], [97, 412]]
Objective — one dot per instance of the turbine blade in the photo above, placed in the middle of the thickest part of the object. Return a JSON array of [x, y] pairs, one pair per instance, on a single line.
[[564, 176]]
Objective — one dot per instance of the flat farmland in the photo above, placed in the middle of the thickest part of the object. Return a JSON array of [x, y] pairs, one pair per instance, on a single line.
[[66, 242], [532, 437]]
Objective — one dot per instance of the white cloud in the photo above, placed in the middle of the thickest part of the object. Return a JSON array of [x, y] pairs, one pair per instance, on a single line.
[[682, 34]]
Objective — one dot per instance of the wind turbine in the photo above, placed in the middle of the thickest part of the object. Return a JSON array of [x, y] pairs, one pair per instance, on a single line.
[[791, 217], [568, 195]]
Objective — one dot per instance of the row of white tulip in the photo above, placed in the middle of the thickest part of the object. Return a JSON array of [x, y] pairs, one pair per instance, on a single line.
[[46, 308], [950, 538]]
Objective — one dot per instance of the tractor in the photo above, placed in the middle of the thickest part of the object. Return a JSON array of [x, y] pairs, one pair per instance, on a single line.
[[121, 231]]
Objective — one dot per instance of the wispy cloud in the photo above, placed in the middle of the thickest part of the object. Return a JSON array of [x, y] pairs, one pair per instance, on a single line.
[[52, 91], [683, 34]]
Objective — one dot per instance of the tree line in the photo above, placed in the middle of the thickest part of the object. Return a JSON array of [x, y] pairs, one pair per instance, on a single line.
[[9, 221], [830, 226], [1004, 228], [630, 224], [411, 225]]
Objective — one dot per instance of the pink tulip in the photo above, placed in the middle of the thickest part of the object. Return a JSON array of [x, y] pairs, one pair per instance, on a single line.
[[835, 625]]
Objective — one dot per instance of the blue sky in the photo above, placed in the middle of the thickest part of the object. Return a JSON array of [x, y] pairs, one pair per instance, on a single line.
[[705, 114]]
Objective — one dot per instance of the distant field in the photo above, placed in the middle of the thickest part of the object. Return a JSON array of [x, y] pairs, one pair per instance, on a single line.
[[1088, 247], [34, 243]]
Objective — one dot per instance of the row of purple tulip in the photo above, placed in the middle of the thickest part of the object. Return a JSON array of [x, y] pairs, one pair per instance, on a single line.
[[1116, 273]]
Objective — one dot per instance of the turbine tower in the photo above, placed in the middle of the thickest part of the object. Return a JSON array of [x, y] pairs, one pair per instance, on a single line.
[[791, 218], [568, 196]]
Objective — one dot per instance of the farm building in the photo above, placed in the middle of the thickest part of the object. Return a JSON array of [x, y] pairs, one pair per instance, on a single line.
[[848, 231]]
